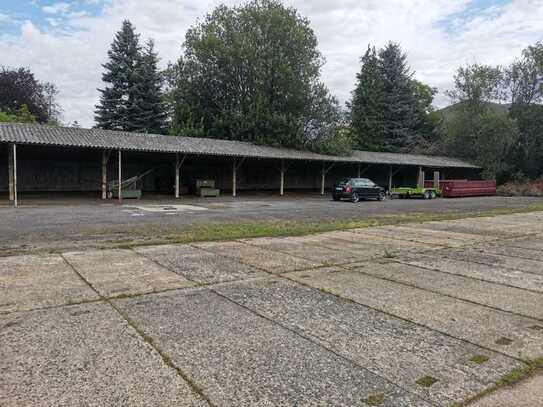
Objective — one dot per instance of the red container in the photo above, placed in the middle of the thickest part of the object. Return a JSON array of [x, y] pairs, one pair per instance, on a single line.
[[457, 188], [430, 183]]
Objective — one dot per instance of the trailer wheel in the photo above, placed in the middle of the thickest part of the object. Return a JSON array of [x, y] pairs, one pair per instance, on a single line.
[[427, 195], [432, 194]]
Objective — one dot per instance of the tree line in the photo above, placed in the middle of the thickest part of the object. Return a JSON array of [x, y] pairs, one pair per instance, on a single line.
[[253, 73], [25, 99], [497, 120]]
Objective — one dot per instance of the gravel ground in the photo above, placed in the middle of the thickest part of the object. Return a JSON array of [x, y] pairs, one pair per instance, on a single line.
[[75, 224]]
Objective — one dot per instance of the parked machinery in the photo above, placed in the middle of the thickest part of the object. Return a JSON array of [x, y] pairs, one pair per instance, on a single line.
[[205, 187]]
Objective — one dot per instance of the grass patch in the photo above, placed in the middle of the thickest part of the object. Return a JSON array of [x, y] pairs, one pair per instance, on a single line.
[[530, 368], [389, 255], [426, 381], [479, 359], [515, 375], [375, 399]]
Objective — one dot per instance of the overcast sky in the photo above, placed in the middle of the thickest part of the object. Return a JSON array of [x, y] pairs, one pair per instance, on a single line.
[[65, 42]]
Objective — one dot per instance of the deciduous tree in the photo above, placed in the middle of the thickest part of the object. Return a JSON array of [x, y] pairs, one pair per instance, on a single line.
[[21, 95], [251, 73]]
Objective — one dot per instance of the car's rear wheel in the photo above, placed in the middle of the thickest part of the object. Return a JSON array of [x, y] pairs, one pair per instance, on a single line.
[[355, 198]]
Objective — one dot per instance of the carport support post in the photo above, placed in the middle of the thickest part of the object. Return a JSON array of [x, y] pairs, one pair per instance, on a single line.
[[234, 176], [359, 172], [105, 157], [10, 173], [323, 177], [12, 168], [120, 192], [282, 171], [390, 179], [420, 181], [177, 175], [178, 165]]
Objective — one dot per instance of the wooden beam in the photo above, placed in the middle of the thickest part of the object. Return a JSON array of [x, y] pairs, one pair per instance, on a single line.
[[120, 191], [178, 165], [397, 170], [363, 171]]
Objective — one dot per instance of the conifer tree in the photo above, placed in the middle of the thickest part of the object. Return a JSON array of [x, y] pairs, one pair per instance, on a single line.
[[389, 109], [117, 109], [148, 98], [401, 118], [367, 104]]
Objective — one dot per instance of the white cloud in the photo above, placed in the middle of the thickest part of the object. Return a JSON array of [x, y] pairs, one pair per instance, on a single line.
[[56, 8], [437, 35]]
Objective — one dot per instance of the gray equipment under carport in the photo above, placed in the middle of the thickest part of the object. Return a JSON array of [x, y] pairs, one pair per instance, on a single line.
[[205, 188], [129, 187]]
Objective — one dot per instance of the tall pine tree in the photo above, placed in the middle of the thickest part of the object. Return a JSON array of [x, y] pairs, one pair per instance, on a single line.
[[148, 96], [388, 107], [401, 117], [367, 104], [117, 110]]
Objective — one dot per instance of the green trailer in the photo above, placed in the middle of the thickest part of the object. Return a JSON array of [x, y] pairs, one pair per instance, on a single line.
[[415, 192]]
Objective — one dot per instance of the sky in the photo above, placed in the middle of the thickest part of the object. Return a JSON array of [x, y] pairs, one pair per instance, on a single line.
[[65, 42]]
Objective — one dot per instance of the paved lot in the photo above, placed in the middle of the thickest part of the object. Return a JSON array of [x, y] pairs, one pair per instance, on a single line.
[[418, 315], [62, 223]]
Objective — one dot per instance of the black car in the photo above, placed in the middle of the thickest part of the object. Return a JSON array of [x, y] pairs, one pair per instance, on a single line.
[[356, 189]]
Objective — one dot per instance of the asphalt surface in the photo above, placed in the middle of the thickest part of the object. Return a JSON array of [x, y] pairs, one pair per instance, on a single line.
[[415, 315], [73, 223]]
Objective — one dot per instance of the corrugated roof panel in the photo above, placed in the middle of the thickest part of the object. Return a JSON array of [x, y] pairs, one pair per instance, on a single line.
[[107, 139]]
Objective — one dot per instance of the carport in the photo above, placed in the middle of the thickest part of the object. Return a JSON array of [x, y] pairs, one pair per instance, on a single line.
[[38, 158]]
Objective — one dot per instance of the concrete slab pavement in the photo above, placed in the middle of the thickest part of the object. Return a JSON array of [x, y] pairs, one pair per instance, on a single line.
[[83, 355], [29, 282], [240, 358], [370, 339], [121, 272], [268, 260], [505, 298], [485, 272], [525, 394], [500, 331], [198, 265]]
